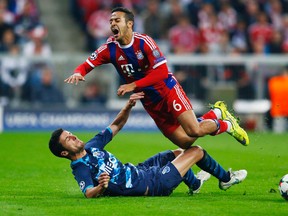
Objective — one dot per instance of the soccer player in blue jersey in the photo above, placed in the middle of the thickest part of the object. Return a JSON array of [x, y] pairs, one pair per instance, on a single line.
[[98, 172]]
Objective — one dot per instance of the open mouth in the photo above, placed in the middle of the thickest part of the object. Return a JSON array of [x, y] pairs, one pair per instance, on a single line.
[[115, 32]]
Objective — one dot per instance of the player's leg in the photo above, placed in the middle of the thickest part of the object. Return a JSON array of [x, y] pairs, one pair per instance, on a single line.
[[226, 178], [180, 138], [163, 158], [181, 109], [187, 159], [194, 183], [194, 128], [214, 122], [165, 179], [183, 163], [196, 155], [219, 109], [160, 159]]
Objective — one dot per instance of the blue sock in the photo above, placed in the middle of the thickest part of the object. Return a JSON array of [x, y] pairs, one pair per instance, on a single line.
[[208, 164], [190, 180]]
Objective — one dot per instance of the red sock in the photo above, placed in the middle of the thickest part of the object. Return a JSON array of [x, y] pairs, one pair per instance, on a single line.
[[209, 115], [221, 127]]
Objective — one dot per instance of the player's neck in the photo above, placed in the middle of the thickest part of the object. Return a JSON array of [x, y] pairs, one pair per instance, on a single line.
[[127, 39], [78, 155]]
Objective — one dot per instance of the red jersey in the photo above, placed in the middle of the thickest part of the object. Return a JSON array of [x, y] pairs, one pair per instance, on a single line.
[[142, 62], [258, 31]]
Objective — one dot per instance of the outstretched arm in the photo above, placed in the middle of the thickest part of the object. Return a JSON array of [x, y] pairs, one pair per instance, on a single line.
[[75, 78], [123, 115], [79, 73]]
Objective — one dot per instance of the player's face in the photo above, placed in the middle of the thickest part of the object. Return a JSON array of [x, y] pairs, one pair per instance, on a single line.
[[71, 142], [121, 29]]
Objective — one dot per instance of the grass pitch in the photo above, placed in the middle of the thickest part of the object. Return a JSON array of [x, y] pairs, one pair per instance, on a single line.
[[34, 182]]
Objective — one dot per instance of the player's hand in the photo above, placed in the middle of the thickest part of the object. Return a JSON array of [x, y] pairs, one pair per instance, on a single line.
[[134, 97], [74, 78], [104, 179], [123, 89]]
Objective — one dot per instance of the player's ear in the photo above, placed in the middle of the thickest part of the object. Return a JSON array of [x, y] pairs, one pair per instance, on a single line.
[[130, 24], [64, 153]]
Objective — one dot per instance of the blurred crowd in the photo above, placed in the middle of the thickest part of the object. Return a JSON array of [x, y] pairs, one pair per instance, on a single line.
[[22, 33], [21, 30], [209, 27], [195, 26]]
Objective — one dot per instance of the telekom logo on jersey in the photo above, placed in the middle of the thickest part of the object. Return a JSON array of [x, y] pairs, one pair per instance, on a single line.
[[128, 69]]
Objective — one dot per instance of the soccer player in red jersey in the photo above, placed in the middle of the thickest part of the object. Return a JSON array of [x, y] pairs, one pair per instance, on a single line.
[[142, 66]]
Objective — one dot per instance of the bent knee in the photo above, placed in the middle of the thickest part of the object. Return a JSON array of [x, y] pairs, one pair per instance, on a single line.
[[199, 151], [177, 152], [194, 132]]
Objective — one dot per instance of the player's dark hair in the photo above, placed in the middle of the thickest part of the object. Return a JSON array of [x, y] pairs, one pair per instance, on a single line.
[[54, 145], [129, 16]]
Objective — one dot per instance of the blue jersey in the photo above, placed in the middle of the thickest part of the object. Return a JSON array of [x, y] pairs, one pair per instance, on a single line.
[[125, 179]]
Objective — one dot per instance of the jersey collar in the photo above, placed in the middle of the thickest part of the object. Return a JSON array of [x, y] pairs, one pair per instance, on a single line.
[[128, 45]]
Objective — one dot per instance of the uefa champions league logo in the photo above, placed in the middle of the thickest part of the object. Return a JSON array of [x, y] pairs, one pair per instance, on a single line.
[[93, 56], [82, 185]]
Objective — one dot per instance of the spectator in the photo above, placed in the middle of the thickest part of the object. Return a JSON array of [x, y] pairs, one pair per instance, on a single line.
[[228, 17], [193, 9], [13, 75], [92, 95], [27, 18], [183, 37], [171, 18], [153, 20], [224, 44], [211, 34], [239, 39], [4, 25], [37, 46], [260, 34], [205, 14], [98, 28], [46, 93], [82, 10], [275, 46], [278, 91], [261, 30], [8, 41], [252, 9], [7, 16], [274, 11], [139, 26]]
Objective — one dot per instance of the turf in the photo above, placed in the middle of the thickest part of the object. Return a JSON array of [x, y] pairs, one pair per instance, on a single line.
[[34, 182]]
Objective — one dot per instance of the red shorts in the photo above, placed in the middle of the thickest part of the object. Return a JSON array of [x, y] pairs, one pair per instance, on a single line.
[[166, 111]]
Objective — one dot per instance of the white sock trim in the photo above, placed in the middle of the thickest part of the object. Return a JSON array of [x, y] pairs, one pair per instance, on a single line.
[[217, 112], [229, 125]]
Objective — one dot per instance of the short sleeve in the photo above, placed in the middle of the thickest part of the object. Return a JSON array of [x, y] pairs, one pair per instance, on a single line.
[[100, 140], [99, 57], [82, 175], [153, 52]]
